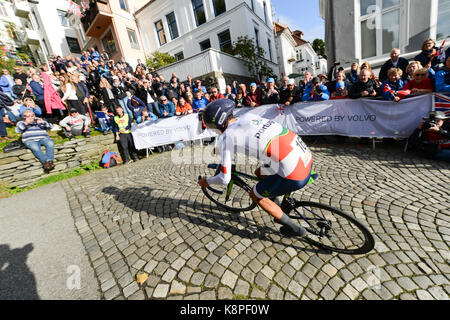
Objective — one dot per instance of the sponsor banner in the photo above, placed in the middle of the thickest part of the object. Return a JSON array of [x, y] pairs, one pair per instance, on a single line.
[[168, 131], [357, 118]]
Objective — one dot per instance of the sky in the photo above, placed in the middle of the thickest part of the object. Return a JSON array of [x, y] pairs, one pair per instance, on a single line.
[[301, 15]]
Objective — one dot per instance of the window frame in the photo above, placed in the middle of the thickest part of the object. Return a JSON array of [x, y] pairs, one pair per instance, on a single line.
[[403, 35], [171, 23], [3, 11], [223, 43], [195, 12], [125, 3], [178, 54], [200, 43], [256, 36], [265, 11], [78, 50], [136, 44], [109, 30], [62, 15], [214, 6], [158, 30], [434, 21], [269, 44]]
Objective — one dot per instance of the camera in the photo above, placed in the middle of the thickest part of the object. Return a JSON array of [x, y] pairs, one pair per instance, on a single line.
[[429, 124], [318, 90]]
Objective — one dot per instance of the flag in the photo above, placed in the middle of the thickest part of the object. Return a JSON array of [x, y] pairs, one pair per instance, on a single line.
[[442, 102], [74, 8], [280, 109], [84, 5]]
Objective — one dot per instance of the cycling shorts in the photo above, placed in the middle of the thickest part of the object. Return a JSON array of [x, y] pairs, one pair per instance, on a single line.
[[275, 186]]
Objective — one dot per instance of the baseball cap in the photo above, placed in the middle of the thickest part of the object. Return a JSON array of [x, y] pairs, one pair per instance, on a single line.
[[252, 84], [115, 78], [270, 80], [436, 115], [291, 81]]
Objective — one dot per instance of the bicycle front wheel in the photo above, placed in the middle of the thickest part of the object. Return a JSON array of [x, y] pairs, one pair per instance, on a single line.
[[340, 232]]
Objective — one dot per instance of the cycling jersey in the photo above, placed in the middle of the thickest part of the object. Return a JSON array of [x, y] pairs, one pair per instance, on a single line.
[[267, 141]]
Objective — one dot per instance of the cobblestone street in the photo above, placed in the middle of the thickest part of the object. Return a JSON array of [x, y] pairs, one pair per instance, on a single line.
[[152, 217]]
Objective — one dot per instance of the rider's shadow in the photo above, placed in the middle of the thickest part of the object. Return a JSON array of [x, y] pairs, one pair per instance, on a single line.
[[208, 215], [17, 282]]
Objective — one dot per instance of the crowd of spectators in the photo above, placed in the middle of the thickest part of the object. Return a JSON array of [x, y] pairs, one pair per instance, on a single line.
[[78, 93]]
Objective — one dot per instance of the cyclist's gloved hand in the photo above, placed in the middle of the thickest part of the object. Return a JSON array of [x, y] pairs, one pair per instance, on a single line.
[[202, 183]]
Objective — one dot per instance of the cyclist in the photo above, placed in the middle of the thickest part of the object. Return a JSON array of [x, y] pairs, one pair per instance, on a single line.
[[288, 160]]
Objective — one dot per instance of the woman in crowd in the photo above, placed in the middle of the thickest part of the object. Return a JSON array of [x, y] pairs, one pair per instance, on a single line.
[[72, 96], [240, 98], [353, 75], [392, 89], [189, 98], [107, 95], [421, 83], [411, 69], [429, 57], [183, 107]]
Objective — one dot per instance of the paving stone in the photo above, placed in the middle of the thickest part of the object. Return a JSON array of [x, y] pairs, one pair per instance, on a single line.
[[225, 293], [211, 281], [161, 291], [130, 289], [177, 288], [262, 281], [229, 279], [424, 295], [275, 293], [438, 293], [242, 288]]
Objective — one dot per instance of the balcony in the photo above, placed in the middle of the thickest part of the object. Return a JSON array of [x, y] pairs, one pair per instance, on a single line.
[[97, 19], [21, 8], [32, 37]]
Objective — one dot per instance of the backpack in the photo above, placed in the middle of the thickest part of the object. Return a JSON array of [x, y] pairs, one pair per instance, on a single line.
[[109, 159]]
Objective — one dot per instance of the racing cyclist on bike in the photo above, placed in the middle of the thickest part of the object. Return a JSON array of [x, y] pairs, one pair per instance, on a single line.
[[289, 159]]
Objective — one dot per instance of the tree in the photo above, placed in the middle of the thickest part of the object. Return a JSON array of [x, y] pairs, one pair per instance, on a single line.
[[7, 63], [159, 59], [253, 56], [319, 47]]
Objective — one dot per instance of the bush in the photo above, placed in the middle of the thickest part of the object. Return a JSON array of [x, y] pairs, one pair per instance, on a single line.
[[159, 59]]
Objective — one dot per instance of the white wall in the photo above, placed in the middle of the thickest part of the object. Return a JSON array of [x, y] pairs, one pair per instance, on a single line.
[[238, 18]]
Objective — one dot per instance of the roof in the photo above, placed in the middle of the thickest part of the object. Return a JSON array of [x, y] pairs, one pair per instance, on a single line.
[[280, 27], [296, 35]]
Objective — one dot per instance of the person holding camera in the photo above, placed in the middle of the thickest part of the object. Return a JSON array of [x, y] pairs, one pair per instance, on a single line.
[[432, 137], [271, 95], [34, 135], [365, 87], [316, 92]]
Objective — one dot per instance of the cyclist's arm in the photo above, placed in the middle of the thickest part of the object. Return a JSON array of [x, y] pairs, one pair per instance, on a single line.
[[224, 176]]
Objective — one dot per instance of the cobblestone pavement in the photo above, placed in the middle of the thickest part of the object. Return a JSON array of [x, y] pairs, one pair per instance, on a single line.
[[151, 217]]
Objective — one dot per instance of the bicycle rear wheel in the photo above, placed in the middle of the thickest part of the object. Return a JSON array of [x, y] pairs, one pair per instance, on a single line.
[[232, 197], [345, 234]]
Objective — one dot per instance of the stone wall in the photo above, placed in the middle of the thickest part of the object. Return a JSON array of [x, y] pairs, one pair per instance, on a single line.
[[21, 168]]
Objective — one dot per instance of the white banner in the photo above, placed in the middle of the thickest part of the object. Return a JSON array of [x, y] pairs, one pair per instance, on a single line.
[[168, 131], [357, 118]]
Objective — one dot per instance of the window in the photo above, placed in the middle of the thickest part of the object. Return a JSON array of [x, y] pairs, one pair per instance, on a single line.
[[443, 22], [160, 32], [225, 42], [34, 20], [269, 43], [252, 4], [45, 47], [265, 12], [123, 5], [172, 23], [74, 46], [219, 7], [133, 39], [205, 45], [199, 12], [109, 43], [63, 18], [379, 26], [257, 37], [179, 56], [3, 11]]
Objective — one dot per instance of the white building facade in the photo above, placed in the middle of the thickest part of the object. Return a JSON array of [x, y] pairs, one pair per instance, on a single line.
[[308, 60], [186, 28]]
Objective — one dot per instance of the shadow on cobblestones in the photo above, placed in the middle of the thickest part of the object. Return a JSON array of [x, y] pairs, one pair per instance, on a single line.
[[207, 215]]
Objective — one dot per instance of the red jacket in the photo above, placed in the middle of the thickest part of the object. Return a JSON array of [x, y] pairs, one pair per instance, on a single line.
[[219, 96], [255, 97], [425, 84]]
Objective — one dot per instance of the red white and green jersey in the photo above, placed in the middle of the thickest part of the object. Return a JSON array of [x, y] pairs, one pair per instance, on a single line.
[[267, 141]]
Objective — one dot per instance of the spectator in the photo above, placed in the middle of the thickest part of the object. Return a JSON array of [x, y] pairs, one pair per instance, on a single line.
[[430, 57], [136, 106], [392, 89], [34, 136], [367, 66], [146, 93], [411, 69], [190, 98], [148, 116], [189, 82], [284, 84], [316, 92], [443, 78], [76, 124], [215, 95], [6, 84], [105, 120], [5, 103], [183, 108], [95, 55], [254, 97], [199, 103], [20, 75], [240, 99], [82, 90], [166, 108], [38, 90], [365, 86], [198, 86], [107, 94], [420, 84], [338, 89], [20, 90], [140, 64], [271, 95], [28, 104], [120, 93], [104, 55], [122, 130], [291, 95], [353, 75], [73, 96], [394, 62], [229, 93]]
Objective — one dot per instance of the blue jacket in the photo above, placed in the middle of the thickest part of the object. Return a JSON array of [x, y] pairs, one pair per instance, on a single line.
[[352, 76], [83, 89], [94, 56], [169, 108], [200, 104], [440, 81], [137, 111], [5, 85], [307, 95], [37, 111], [395, 86], [38, 90]]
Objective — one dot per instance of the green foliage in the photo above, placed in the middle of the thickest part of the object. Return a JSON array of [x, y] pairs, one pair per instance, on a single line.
[[253, 56], [159, 59], [319, 47], [7, 63]]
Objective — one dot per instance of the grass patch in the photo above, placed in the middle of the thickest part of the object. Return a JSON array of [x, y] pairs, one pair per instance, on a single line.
[[7, 191], [239, 297]]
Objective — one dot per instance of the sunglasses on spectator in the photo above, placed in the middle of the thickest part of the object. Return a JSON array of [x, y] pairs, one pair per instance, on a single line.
[[421, 74], [163, 100]]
